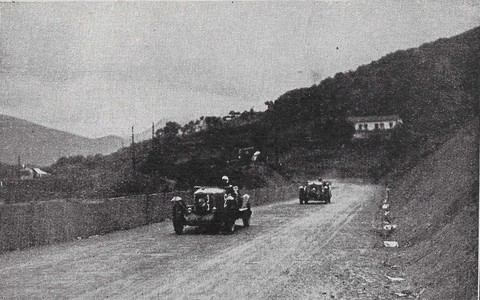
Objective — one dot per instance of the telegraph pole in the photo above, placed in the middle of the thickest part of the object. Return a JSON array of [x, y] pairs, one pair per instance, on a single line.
[[153, 180], [133, 137], [133, 153], [153, 135], [19, 170]]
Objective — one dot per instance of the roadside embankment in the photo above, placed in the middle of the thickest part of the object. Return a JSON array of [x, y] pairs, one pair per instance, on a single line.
[[436, 208], [32, 224]]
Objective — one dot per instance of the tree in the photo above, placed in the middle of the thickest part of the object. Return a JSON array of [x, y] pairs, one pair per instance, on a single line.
[[333, 131], [189, 128], [170, 130], [269, 105], [213, 123]]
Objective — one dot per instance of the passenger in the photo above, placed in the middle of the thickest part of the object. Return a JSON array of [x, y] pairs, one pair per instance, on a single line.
[[230, 189]]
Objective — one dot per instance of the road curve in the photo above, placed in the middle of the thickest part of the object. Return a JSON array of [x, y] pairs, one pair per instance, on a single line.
[[289, 251]]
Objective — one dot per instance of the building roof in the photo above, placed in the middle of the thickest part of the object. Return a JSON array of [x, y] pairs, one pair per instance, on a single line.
[[374, 119], [38, 171]]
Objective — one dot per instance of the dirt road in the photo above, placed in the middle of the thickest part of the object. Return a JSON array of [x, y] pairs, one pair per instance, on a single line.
[[313, 251]]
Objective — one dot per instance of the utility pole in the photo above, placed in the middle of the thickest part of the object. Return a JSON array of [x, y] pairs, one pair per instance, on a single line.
[[276, 132], [133, 153], [153, 184], [133, 137], [19, 170], [153, 135]]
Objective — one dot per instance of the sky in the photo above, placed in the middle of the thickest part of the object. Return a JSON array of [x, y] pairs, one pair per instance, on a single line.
[[96, 69]]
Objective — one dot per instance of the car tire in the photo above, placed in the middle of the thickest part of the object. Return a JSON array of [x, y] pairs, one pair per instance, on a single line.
[[178, 228], [214, 228]]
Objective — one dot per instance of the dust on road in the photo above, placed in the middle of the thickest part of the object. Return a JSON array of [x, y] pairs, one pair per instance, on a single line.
[[290, 251]]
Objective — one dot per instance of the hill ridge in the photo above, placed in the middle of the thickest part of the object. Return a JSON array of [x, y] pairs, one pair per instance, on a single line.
[[40, 145]]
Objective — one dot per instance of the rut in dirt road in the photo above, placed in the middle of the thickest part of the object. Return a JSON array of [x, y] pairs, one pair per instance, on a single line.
[[152, 262]]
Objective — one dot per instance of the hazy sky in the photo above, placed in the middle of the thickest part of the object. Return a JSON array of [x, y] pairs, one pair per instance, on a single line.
[[98, 68]]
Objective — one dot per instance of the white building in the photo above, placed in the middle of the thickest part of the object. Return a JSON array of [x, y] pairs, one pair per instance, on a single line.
[[364, 126], [30, 173]]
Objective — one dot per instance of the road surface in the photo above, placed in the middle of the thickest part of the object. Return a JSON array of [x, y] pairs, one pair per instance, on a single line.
[[290, 251]]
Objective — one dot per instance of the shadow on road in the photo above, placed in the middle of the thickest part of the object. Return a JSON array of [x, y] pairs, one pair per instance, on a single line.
[[199, 230], [313, 202]]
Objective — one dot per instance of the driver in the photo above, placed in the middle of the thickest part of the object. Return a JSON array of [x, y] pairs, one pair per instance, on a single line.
[[225, 181]]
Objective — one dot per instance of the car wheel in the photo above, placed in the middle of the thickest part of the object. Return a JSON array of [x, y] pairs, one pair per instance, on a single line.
[[178, 228], [214, 228]]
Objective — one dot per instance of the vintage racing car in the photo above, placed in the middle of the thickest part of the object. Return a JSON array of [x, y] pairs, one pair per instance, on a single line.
[[318, 190], [212, 207]]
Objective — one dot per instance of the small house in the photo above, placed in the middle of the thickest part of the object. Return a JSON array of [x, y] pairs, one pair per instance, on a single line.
[[368, 125], [30, 173]]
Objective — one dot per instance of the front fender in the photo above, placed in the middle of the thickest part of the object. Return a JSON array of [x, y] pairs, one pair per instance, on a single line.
[[179, 203]]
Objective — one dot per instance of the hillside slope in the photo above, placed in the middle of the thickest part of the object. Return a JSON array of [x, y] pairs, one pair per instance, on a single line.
[[39, 145], [433, 88], [436, 208], [431, 85]]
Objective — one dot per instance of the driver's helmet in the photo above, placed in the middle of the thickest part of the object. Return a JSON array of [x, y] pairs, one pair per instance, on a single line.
[[225, 179]]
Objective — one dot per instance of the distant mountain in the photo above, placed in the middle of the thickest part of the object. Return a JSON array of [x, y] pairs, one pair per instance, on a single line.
[[40, 145]]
